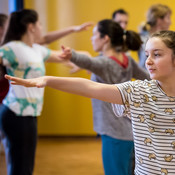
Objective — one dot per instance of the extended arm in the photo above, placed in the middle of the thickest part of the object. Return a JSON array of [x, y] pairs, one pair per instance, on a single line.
[[55, 57], [55, 35], [78, 86], [64, 55], [84, 60]]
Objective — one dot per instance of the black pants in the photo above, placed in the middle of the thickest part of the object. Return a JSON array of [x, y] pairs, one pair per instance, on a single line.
[[21, 138]]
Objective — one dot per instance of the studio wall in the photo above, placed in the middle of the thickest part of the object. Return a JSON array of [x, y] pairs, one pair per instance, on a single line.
[[67, 114]]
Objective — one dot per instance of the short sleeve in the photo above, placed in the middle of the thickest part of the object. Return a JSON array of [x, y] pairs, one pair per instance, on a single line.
[[45, 52], [126, 90]]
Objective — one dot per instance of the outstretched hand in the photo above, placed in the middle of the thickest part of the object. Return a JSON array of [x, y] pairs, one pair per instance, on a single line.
[[84, 26], [34, 82], [66, 54]]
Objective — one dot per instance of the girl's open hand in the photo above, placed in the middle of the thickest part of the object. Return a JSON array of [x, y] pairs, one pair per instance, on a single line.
[[34, 82]]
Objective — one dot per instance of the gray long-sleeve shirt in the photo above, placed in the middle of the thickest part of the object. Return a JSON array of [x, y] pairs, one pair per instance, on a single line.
[[106, 70]]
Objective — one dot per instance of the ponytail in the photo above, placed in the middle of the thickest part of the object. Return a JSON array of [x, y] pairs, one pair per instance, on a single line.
[[144, 27], [120, 39], [132, 40]]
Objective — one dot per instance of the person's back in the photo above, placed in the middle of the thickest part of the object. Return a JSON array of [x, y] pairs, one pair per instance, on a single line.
[[112, 72]]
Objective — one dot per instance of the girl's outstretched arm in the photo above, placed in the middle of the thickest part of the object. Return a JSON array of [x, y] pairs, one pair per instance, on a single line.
[[78, 86], [55, 35]]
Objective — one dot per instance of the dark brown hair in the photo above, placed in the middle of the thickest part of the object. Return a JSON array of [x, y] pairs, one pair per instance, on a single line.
[[126, 40], [18, 23]]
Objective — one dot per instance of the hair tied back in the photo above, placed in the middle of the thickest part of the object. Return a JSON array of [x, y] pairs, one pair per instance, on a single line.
[[124, 35]]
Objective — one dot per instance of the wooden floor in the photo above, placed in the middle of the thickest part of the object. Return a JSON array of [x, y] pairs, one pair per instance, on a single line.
[[66, 156]]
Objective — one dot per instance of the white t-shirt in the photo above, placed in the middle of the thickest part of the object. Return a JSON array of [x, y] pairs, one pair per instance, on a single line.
[[153, 120], [25, 62]]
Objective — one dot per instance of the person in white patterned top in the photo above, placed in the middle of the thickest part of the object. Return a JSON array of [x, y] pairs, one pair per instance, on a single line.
[[46, 39], [158, 18], [23, 58], [149, 104]]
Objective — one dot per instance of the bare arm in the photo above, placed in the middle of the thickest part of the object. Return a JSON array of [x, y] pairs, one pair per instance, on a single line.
[[59, 56], [78, 86], [55, 35], [55, 57]]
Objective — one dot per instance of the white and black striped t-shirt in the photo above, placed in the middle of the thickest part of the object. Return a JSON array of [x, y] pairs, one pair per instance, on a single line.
[[153, 119]]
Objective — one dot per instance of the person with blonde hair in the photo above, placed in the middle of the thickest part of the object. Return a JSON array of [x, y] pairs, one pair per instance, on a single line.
[[158, 19]]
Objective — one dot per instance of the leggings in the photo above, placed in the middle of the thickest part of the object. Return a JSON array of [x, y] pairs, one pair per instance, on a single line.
[[117, 156], [20, 139]]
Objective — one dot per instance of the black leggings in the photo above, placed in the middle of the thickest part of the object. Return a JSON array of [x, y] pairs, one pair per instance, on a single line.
[[21, 138]]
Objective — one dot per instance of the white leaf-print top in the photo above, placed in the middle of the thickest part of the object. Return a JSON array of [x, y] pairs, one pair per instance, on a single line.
[[26, 62]]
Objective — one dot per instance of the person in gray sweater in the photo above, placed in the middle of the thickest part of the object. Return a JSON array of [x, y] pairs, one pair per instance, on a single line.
[[112, 66]]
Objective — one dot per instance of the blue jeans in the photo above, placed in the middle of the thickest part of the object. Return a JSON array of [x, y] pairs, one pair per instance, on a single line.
[[20, 138], [117, 156]]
